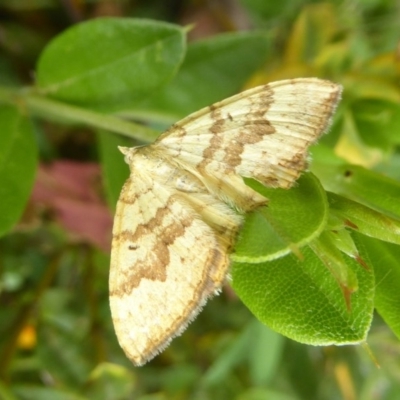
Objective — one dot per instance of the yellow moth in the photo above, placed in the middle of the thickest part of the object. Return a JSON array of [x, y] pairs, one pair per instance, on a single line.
[[181, 208]]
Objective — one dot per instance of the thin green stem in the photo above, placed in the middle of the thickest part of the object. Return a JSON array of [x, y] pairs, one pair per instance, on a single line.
[[56, 110]]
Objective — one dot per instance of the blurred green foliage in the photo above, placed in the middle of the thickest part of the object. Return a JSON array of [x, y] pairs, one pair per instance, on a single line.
[[58, 77]]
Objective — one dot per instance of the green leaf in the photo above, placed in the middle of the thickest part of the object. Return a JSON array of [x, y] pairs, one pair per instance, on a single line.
[[384, 257], [115, 170], [302, 300], [210, 72], [107, 61], [361, 185], [364, 219], [292, 218], [18, 160], [377, 122], [325, 248], [340, 237]]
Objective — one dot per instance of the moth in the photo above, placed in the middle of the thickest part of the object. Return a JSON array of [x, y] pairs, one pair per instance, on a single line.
[[182, 206]]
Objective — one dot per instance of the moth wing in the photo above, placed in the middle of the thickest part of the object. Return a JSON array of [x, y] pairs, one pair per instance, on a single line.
[[158, 237], [263, 133]]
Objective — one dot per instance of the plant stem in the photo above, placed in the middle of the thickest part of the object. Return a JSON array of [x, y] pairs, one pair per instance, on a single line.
[[59, 111]]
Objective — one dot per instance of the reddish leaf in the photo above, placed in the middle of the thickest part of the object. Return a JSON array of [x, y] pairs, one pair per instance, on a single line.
[[71, 190]]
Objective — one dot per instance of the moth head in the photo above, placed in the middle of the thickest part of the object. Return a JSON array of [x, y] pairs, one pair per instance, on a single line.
[[128, 152], [137, 158]]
